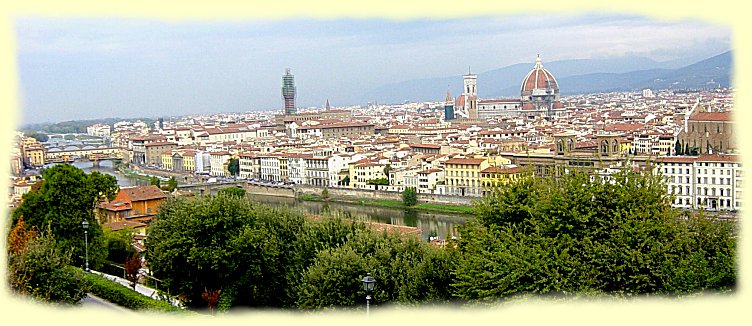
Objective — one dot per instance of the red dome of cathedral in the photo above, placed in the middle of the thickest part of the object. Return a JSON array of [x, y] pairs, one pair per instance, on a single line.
[[538, 79]]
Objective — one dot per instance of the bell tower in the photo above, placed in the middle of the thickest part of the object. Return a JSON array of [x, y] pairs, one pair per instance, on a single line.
[[471, 95]]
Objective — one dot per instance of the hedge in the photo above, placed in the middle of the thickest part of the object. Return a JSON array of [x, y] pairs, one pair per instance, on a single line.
[[120, 295]]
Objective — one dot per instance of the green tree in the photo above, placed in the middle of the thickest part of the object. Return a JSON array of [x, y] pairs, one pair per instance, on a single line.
[[686, 149], [378, 181], [172, 184], [409, 196], [68, 197], [154, 181], [577, 234], [233, 166], [39, 271], [387, 170], [40, 137], [325, 194], [407, 271], [223, 243], [232, 191], [118, 244], [678, 149]]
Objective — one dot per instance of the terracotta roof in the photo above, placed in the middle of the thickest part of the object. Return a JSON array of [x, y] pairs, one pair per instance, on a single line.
[[718, 158], [429, 171], [140, 193], [433, 146], [120, 225], [711, 116], [501, 169], [116, 206], [160, 143], [677, 159], [470, 161]]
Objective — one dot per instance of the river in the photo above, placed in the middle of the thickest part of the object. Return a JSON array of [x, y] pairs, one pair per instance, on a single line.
[[441, 225], [106, 168]]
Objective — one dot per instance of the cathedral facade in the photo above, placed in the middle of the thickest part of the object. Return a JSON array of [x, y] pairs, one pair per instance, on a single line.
[[539, 97]]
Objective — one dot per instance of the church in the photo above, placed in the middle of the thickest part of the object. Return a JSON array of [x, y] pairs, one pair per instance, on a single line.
[[539, 97]]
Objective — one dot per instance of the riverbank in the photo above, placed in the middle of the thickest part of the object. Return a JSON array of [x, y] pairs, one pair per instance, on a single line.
[[428, 207]]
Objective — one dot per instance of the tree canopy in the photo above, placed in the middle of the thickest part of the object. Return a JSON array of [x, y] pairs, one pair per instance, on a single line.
[[409, 196], [233, 166], [582, 234], [66, 198]]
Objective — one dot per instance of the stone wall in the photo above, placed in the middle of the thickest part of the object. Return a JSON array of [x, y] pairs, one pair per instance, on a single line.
[[349, 193]]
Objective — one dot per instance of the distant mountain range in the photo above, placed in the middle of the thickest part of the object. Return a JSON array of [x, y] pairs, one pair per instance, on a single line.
[[580, 76]]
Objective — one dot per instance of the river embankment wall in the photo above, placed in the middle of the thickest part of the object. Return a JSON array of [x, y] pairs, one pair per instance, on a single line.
[[354, 194]]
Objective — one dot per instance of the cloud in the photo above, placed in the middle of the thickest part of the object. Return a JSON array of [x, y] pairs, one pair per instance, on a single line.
[[144, 66]]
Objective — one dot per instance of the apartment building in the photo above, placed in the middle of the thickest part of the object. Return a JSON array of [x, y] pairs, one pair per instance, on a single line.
[[711, 182]]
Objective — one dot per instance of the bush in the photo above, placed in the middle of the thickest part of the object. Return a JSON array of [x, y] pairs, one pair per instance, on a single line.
[[409, 196], [118, 294], [579, 234], [38, 271]]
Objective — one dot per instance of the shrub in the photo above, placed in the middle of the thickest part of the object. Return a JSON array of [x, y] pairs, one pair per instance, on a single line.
[[121, 295]]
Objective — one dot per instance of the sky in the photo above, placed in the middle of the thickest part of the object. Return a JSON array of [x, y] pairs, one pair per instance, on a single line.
[[87, 68]]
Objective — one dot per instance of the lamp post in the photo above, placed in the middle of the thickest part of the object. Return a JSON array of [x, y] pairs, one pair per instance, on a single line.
[[368, 284], [85, 225]]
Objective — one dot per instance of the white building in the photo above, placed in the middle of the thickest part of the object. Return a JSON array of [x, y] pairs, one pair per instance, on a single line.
[[338, 165], [711, 182], [100, 130], [269, 168], [218, 163], [296, 168]]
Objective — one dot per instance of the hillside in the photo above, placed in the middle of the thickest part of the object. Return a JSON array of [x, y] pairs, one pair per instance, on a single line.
[[574, 77]]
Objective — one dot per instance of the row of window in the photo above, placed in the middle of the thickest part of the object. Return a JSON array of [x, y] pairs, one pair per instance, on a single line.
[[703, 171]]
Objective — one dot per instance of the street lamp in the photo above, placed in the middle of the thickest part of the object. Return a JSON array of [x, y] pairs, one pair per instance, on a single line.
[[85, 225], [368, 284]]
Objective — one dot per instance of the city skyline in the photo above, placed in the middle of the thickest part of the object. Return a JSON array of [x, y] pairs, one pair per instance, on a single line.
[[94, 68]]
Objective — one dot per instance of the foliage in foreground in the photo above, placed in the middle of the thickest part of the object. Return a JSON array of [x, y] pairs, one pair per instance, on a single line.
[[37, 269], [582, 235], [254, 255], [121, 295], [66, 198]]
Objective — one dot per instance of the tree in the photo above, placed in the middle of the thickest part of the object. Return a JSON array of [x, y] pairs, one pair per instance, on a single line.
[[40, 137], [577, 234], [172, 184], [325, 194], [68, 197], [678, 149], [407, 270], [378, 182], [118, 244], [132, 265], [232, 191], [409, 196], [223, 243], [154, 181], [387, 170], [19, 237], [233, 166], [686, 149], [40, 270]]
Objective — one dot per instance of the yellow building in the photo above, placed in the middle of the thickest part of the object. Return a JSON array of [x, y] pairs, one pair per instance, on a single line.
[[167, 161], [463, 175], [33, 152], [283, 174], [496, 176], [189, 161], [35, 156], [362, 172]]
